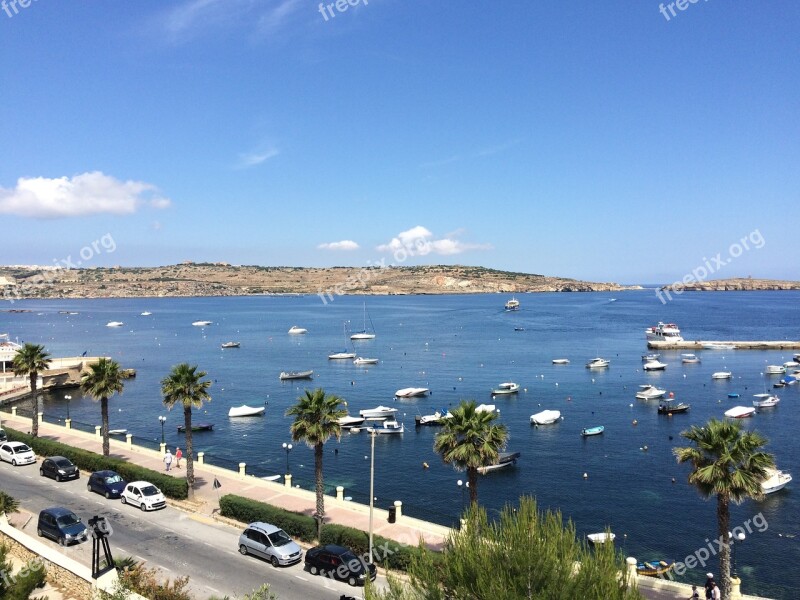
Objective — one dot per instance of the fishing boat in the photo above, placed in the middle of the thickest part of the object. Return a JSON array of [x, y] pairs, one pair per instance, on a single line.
[[666, 407], [365, 361], [667, 332], [601, 538], [295, 375], [654, 568], [411, 392], [512, 304], [436, 418], [508, 387], [689, 359], [546, 417], [560, 361], [387, 427], [202, 323], [740, 412], [115, 324], [504, 459], [765, 400], [775, 370], [342, 355], [295, 330], [198, 427], [379, 412], [348, 421], [776, 480], [365, 334], [598, 363], [721, 375], [231, 345], [654, 365], [589, 431], [246, 411], [649, 392]]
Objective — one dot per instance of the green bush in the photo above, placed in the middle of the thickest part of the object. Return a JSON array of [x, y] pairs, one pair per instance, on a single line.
[[355, 539], [297, 525], [172, 487]]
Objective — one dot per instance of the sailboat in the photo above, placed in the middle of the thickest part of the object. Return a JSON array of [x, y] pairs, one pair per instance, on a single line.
[[363, 334], [344, 353]]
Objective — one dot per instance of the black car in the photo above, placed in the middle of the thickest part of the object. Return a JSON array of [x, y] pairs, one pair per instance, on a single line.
[[3, 436], [58, 468], [108, 483], [61, 525], [339, 563]]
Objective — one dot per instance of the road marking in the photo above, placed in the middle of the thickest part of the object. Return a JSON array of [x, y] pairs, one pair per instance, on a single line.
[[216, 591], [301, 578]]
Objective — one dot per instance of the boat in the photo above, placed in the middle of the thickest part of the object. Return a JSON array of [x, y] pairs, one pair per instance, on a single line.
[[654, 568], [512, 304], [379, 412], [666, 407], [349, 421], [201, 323], [601, 538], [560, 361], [504, 459], [765, 400], [295, 330], [546, 417], [776, 480], [365, 361], [386, 427], [588, 431], [508, 387], [295, 375], [342, 355], [789, 379], [198, 427], [721, 375], [436, 418], [519, 329], [649, 392], [775, 370], [649, 357], [411, 392], [231, 345], [364, 334], [146, 313], [740, 412], [689, 359], [490, 408], [117, 431], [796, 357], [733, 395], [654, 365], [665, 332], [246, 411], [718, 346], [115, 324], [790, 364], [598, 363]]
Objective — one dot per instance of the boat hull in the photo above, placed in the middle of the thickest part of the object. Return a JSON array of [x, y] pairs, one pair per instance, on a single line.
[[246, 411]]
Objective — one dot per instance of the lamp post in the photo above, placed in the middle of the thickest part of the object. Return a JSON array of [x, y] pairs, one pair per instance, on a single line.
[[372, 435], [67, 398], [739, 538], [463, 490], [288, 448], [162, 419]]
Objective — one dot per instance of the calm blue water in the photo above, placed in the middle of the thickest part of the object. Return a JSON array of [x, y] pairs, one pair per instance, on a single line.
[[460, 347]]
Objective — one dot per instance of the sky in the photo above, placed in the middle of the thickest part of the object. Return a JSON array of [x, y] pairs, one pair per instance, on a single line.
[[607, 141]]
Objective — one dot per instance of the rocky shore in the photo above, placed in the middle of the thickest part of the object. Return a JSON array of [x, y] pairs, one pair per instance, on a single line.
[[735, 284]]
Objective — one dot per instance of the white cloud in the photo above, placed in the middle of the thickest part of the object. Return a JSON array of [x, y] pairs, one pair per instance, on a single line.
[[343, 245], [252, 159], [418, 241], [84, 194]]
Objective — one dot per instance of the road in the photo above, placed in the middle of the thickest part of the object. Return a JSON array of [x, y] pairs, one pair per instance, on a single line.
[[170, 539]]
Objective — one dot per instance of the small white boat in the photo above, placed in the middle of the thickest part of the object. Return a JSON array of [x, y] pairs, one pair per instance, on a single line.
[[504, 459], [365, 334], [117, 431], [411, 392], [546, 417], [490, 408], [343, 355], [231, 345], [508, 387], [295, 330], [601, 538], [115, 324], [689, 359], [775, 370], [246, 411], [589, 431], [272, 477], [379, 412], [296, 375], [386, 427], [512, 304], [654, 365], [776, 480], [649, 392], [718, 346], [560, 361], [765, 400], [722, 375], [598, 363], [740, 412], [348, 421], [790, 364], [146, 313], [436, 418], [649, 357], [667, 332], [202, 323], [365, 361], [796, 358]]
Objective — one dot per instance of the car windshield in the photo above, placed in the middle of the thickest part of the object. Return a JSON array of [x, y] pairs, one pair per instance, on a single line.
[[63, 463], [20, 449], [279, 538], [68, 519], [150, 490], [113, 479]]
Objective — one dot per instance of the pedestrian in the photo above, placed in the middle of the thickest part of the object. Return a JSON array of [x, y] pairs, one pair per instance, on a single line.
[[709, 585], [178, 456], [716, 593], [168, 459], [695, 595]]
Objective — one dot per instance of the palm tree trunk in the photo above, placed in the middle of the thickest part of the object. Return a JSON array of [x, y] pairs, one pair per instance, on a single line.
[[723, 524], [187, 421], [34, 406], [104, 424], [472, 479], [320, 514]]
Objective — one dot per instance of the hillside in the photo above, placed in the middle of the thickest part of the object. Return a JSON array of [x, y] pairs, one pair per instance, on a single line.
[[736, 284]]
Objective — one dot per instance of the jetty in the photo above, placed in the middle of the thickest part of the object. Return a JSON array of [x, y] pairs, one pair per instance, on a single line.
[[701, 344]]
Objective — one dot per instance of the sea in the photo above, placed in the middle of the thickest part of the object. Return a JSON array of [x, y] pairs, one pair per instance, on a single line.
[[461, 347]]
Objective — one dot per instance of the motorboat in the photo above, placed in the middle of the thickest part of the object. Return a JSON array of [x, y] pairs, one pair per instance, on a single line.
[[654, 568], [231, 345], [654, 365], [790, 379], [718, 346], [295, 330], [666, 407], [197, 427], [775, 370], [365, 361], [504, 459], [490, 408], [519, 329], [386, 427], [246, 411], [796, 357], [560, 361], [295, 375], [765, 400], [117, 431], [379, 412], [733, 395], [342, 355], [740, 412], [601, 538], [589, 431], [508, 387], [776, 480], [650, 357], [512, 304], [649, 392], [790, 364], [598, 363], [546, 417], [146, 313], [411, 392], [722, 375], [349, 421], [689, 359], [664, 332], [115, 324], [202, 323], [365, 334], [436, 418]]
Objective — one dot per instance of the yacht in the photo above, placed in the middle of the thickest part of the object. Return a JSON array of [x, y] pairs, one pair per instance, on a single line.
[[654, 365], [506, 388], [649, 392], [776, 480], [411, 392], [722, 375], [115, 324], [765, 400], [365, 334], [344, 354], [512, 304], [295, 330], [379, 412], [775, 370], [689, 359], [664, 332], [598, 363]]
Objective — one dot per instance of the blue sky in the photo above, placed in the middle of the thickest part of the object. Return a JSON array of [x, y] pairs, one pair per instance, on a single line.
[[597, 140]]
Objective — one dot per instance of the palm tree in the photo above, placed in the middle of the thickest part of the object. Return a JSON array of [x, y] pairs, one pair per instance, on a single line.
[[101, 381], [30, 360], [8, 504], [730, 464], [183, 386], [316, 420], [470, 439]]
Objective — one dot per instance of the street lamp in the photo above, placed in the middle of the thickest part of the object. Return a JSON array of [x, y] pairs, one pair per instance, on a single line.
[[288, 448], [67, 398], [739, 538], [372, 435], [162, 420], [464, 487]]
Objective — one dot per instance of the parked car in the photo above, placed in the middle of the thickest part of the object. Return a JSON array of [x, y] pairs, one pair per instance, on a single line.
[[270, 542], [58, 468], [339, 563], [17, 453], [3, 436], [61, 525], [144, 495], [108, 483]]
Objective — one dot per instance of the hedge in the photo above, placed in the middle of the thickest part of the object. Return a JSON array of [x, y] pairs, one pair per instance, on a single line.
[[172, 487]]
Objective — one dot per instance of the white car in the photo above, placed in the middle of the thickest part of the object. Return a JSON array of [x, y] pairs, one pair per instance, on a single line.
[[144, 495], [17, 453]]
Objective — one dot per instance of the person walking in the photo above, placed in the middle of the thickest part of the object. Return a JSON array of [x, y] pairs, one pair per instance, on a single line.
[[709, 585], [178, 456], [168, 459], [716, 593], [695, 595]]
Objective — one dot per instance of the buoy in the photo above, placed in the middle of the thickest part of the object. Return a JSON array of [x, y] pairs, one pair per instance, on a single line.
[[586, 476], [635, 422], [673, 480], [424, 465], [672, 394]]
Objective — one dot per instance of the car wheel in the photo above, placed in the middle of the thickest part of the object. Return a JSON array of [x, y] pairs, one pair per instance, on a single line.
[[274, 561], [124, 501], [352, 581], [62, 541], [242, 549], [143, 507], [313, 570], [58, 478], [14, 462], [88, 487], [41, 472], [40, 533], [108, 495]]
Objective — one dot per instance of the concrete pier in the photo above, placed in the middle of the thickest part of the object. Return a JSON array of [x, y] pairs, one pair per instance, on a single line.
[[698, 345]]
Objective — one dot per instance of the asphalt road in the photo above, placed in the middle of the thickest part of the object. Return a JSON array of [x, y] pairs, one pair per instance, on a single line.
[[170, 539]]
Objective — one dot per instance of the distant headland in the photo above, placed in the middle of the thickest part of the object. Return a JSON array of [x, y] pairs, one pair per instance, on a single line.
[[746, 284]]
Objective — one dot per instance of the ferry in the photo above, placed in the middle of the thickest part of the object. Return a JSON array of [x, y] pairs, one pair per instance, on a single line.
[[664, 332], [512, 304]]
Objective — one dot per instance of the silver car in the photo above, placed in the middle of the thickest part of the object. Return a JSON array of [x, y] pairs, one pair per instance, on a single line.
[[271, 543]]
